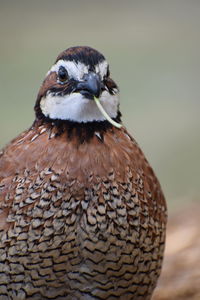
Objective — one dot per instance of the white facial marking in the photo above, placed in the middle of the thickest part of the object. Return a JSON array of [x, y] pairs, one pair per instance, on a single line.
[[102, 68], [76, 107], [77, 70]]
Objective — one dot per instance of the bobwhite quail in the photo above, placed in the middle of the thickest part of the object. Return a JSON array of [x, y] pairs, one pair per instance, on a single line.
[[82, 214]]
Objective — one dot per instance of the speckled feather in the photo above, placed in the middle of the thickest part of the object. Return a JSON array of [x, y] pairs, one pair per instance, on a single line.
[[79, 220]]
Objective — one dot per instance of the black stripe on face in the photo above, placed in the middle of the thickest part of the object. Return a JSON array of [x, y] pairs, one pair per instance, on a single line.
[[62, 90], [107, 85]]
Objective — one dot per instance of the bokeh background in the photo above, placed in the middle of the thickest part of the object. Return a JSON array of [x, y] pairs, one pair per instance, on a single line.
[[153, 48]]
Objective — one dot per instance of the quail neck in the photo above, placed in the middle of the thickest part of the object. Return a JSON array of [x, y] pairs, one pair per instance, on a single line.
[[67, 93]]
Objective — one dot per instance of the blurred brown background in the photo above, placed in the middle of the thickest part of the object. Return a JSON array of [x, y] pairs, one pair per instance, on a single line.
[[153, 48]]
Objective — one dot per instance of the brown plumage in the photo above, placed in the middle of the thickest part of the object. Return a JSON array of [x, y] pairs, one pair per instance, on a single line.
[[81, 217]]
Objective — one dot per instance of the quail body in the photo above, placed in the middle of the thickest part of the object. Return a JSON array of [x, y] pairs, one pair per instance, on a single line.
[[82, 214]]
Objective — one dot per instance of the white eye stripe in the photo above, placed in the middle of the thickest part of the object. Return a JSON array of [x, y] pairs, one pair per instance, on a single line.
[[102, 68], [77, 70]]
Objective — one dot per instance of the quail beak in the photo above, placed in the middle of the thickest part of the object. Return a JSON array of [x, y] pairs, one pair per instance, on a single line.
[[91, 86]]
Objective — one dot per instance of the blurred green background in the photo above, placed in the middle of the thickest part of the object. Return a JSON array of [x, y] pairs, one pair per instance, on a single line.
[[153, 48]]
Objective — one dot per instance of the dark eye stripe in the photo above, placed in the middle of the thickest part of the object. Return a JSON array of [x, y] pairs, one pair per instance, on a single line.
[[111, 85], [108, 72]]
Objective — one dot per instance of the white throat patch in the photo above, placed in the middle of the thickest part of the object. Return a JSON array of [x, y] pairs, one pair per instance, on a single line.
[[76, 107]]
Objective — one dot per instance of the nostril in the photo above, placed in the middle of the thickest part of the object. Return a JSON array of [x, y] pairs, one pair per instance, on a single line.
[[91, 76], [91, 84]]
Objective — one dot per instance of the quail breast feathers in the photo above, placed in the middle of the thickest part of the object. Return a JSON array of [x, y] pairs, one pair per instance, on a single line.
[[82, 214]]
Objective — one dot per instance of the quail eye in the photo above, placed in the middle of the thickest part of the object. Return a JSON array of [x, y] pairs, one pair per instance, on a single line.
[[62, 74]]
